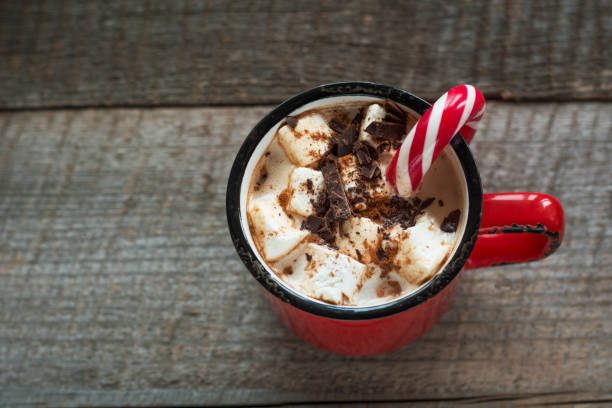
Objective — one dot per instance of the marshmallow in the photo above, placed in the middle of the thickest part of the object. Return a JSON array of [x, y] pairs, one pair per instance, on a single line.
[[302, 197], [322, 273], [308, 142], [374, 113], [374, 189], [274, 231], [421, 249], [377, 289], [358, 237]]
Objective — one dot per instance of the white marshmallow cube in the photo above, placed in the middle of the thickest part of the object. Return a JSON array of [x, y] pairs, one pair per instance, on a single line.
[[323, 274], [349, 173], [274, 231], [358, 237], [422, 249], [308, 142], [301, 196]]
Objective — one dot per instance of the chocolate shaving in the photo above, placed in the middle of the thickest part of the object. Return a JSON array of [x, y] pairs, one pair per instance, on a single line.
[[424, 204], [338, 203], [292, 121], [320, 226], [381, 254], [288, 270], [358, 255], [441, 203], [386, 130], [314, 223], [389, 117], [451, 221], [369, 172], [394, 109], [371, 150], [362, 153], [336, 127], [349, 136], [321, 205], [342, 147], [397, 210], [309, 186], [308, 257]]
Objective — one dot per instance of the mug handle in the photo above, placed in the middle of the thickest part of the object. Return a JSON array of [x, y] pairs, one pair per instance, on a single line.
[[517, 227]]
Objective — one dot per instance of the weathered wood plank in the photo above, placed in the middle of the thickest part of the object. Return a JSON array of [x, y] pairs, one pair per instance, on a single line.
[[74, 53], [119, 284]]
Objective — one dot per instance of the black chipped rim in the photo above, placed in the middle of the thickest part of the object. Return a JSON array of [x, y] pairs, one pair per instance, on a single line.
[[288, 295]]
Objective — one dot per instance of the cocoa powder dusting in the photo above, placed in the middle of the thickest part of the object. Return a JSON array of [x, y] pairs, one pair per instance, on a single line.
[[283, 199], [388, 288]]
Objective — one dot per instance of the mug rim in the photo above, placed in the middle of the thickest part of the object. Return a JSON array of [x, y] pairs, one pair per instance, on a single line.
[[292, 297]]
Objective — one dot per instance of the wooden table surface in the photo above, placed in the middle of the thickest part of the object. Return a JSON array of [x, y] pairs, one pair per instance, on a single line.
[[119, 122]]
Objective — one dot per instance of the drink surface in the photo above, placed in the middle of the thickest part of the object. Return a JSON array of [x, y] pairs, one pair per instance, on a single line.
[[328, 224]]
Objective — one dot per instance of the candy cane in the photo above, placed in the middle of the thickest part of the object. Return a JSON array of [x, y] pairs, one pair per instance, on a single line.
[[458, 110]]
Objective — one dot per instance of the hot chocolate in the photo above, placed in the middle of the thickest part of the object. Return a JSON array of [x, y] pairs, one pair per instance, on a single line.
[[326, 221]]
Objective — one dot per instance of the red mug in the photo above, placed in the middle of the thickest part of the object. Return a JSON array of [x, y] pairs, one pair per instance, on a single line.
[[500, 229]]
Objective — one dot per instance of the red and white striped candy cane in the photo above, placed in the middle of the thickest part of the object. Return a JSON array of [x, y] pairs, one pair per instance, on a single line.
[[458, 110]]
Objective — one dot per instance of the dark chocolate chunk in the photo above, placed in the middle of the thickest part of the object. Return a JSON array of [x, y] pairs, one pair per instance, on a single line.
[[320, 226], [389, 117], [327, 234], [362, 153], [394, 109], [336, 127], [292, 121], [322, 204], [349, 136], [371, 150], [451, 221], [314, 223], [423, 205], [371, 171], [386, 130], [343, 148], [338, 203], [308, 257]]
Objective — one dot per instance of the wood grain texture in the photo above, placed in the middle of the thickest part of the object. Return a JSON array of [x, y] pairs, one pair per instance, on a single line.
[[119, 284], [74, 53]]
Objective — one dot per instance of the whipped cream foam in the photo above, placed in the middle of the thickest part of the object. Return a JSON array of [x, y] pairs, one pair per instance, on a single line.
[[325, 220]]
